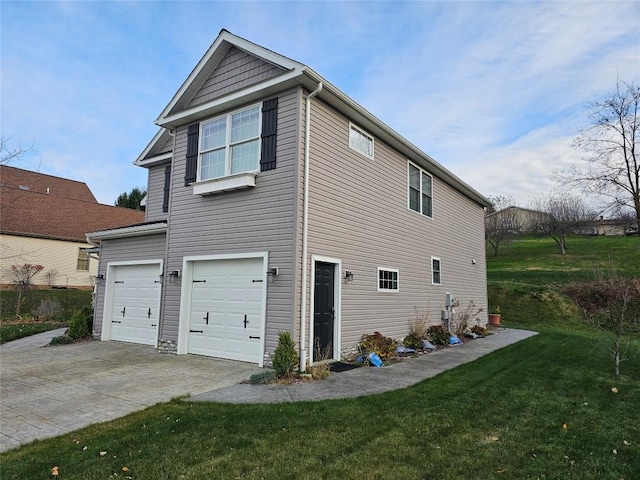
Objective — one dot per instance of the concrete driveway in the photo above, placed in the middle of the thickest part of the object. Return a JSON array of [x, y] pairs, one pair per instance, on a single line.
[[46, 392]]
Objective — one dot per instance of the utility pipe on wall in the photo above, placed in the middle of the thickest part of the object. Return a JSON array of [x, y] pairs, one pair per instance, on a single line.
[[305, 214]]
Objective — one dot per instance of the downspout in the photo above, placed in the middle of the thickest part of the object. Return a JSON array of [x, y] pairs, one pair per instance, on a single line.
[[305, 227]]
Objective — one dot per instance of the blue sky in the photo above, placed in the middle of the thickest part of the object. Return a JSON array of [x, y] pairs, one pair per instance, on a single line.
[[494, 91]]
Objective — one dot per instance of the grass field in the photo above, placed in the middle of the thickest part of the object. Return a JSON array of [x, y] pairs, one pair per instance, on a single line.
[[537, 261], [541, 409], [14, 331]]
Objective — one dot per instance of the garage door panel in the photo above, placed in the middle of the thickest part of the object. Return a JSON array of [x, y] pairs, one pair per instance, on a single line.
[[136, 294], [228, 292]]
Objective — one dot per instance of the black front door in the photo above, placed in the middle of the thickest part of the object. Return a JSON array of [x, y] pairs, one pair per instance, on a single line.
[[323, 310]]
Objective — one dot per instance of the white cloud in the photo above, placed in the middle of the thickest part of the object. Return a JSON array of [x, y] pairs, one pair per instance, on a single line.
[[493, 90]]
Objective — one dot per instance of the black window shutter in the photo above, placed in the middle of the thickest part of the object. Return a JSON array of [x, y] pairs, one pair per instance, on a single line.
[[167, 184], [269, 134], [192, 154]]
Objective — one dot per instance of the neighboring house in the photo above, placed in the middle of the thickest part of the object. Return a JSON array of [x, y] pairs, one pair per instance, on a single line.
[[517, 219], [44, 221], [602, 226], [277, 203]]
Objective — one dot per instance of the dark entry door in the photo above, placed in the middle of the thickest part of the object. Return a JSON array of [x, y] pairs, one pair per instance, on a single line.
[[323, 309]]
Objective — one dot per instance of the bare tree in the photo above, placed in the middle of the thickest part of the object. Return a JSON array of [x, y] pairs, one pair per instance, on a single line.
[[501, 223], [23, 280], [559, 216], [611, 304], [7, 154], [611, 166]]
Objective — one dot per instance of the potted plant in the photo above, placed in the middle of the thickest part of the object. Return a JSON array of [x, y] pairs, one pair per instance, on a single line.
[[494, 318]]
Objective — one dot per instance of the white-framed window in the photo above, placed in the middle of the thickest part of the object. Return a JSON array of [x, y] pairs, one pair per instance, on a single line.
[[420, 191], [436, 271], [388, 280], [83, 260], [230, 144], [360, 141]]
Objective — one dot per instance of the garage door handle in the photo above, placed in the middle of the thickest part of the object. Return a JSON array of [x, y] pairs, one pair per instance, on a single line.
[[149, 313], [206, 318], [195, 331], [154, 325], [116, 321], [123, 310], [254, 338]]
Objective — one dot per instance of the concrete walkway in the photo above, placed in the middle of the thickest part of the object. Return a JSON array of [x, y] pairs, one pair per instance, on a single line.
[[45, 392], [368, 380]]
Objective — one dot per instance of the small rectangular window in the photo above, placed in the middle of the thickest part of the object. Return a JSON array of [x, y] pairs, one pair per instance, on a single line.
[[388, 280], [420, 191], [436, 271], [360, 141], [83, 260]]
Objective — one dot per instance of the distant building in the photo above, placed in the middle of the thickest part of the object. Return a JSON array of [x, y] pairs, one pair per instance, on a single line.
[[518, 219], [44, 220]]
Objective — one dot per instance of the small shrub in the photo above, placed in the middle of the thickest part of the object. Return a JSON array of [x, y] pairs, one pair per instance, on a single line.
[[285, 357], [81, 323], [263, 378], [480, 330], [62, 340], [385, 347], [438, 335], [48, 310], [460, 320], [413, 341]]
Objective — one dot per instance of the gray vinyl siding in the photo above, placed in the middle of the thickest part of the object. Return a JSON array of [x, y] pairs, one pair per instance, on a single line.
[[167, 146], [358, 213], [155, 194], [147, 247], [238, 69], [251, 220]]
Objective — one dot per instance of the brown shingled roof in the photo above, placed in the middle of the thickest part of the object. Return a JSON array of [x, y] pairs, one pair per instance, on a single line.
[[42, 183], [67, 216]]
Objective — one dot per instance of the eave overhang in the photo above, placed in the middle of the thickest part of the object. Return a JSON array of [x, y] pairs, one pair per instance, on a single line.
[[127, 232]]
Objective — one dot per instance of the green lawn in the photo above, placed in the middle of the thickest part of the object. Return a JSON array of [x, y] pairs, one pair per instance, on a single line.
[[542, 408], [537, 261], [14, 331]]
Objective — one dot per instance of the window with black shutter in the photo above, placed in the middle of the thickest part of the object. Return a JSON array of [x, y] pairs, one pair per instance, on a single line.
[[231, 144], [167, 184]]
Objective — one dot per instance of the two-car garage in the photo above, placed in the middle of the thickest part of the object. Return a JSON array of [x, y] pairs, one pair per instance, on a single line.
[[222, 305]]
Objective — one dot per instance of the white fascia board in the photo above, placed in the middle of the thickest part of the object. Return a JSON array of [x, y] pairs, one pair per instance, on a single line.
[[152, 143], [336, 98], [152, 161], [125, 232], [228, 37], [260, 90]]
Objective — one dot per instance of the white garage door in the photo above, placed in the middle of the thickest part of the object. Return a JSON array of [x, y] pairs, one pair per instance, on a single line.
[[136, 298], [226, 309]]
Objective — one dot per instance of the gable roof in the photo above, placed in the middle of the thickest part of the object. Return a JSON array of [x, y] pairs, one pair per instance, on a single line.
[[39, 182], [294, 74], [67, 216]]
